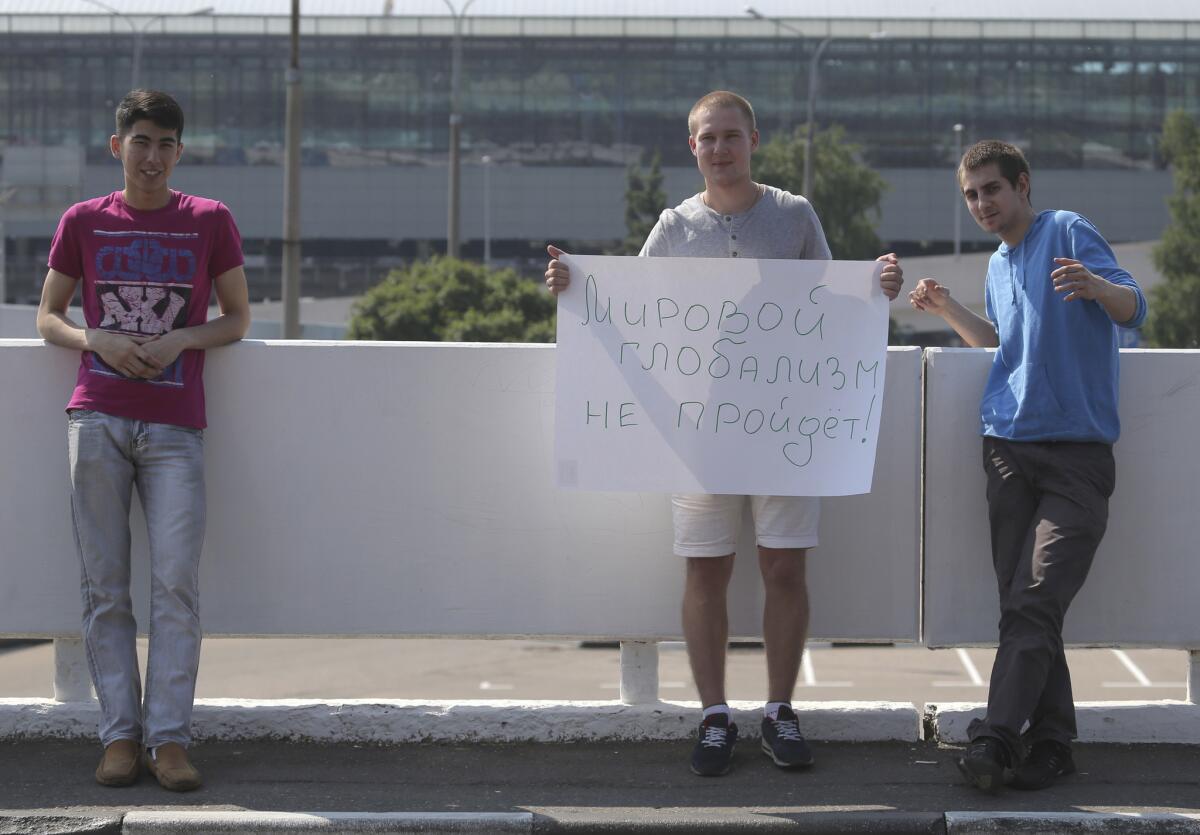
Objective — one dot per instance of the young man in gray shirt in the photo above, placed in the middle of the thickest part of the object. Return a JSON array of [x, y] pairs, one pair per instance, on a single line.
[[735, 217]]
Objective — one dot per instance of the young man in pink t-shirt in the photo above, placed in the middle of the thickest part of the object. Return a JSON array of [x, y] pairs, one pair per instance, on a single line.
[[147, 260]]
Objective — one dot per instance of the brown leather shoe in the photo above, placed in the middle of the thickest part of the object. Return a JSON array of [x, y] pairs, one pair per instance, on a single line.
[[121, 764], [170, 767]]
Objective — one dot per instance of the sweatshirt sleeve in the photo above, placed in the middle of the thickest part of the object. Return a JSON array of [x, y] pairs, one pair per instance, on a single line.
[[1090, 249]]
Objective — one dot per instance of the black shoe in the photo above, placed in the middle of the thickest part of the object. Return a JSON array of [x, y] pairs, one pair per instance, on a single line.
[[984, 763], [783, 742], [1047, 761], [713, 754]]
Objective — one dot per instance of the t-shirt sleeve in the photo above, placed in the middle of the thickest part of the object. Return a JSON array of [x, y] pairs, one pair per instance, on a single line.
[[1090, 249], [227, 244], [657, 242], [816, 248], [66, 256]]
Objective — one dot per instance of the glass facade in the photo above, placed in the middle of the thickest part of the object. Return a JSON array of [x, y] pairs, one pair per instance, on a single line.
[[576, 95], [592, 100]]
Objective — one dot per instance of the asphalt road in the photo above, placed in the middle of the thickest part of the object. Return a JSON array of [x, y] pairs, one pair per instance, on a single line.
[[625, 778]]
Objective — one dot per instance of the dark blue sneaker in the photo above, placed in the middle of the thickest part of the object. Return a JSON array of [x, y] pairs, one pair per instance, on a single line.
[[1047, 761], [783, 742], [713, 754], [984, 763]]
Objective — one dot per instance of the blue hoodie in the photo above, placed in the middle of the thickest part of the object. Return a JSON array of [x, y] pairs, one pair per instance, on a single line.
[[1055, 374]]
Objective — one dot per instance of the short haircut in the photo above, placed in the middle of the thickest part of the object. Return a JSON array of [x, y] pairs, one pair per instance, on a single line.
[[1008, 158], [157, 107], [716, 100]]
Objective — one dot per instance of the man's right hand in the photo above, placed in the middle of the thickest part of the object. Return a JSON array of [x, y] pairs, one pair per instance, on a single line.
[[930, 297], [972, 329], [124, 354], [558, 275]]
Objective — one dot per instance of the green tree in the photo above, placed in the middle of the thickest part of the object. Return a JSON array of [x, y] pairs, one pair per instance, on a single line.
[[644, 202], [1174, 320], [846, 192], [449, 300]]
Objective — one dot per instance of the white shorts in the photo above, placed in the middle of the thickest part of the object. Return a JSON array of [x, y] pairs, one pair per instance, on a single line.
[[707, 525]]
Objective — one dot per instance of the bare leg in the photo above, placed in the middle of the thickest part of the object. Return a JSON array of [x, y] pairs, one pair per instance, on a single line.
[[706, 624], [785, 617]]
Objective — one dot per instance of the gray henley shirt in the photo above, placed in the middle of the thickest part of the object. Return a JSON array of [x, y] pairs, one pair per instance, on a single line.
[[779, 225]]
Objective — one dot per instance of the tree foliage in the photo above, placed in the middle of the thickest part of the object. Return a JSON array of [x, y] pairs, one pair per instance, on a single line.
[[846, 192], [1174, 320], [450, 300], [644, 202]]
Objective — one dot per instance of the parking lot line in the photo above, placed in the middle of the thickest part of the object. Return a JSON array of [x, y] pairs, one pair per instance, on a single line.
[[973, 676]]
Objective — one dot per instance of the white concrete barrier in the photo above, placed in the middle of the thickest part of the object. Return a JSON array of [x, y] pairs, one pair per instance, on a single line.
[[406, 489], [1142, 586]]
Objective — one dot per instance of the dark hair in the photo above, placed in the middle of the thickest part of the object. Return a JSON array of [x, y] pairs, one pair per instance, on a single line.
[[1008, 158], [716, 100], [158, 107]]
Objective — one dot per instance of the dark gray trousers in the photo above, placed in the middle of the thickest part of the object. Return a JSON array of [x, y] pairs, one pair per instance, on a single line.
[[1048, 508]]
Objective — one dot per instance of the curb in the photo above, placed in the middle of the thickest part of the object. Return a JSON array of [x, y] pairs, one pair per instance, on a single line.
[[33, 822], [735, 822], [587, 822], [397, 721], [1167, 721], [261, 823], [985, 823]]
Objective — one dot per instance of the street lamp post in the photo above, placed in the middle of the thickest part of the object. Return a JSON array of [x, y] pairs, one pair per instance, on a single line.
[[455, 126], [139, 32], [290, 279], [814, 67], [487, 212], [958, 130]]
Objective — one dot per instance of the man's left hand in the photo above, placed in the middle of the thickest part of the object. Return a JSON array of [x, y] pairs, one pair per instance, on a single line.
[[1077, 281], [165, 349]]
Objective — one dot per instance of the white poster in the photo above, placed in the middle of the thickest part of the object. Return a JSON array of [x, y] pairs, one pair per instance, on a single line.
[[719, 375]]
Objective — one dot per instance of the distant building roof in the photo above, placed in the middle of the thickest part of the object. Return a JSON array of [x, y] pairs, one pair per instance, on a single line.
[[1013, 10]]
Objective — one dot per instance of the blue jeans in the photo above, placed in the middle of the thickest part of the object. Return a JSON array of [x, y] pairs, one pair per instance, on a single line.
[[108, 456]]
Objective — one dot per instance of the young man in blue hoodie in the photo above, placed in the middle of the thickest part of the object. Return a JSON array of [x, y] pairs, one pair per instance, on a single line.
[[1054, 296]]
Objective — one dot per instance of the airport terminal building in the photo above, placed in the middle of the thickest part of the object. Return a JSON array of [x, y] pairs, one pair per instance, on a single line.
[[558, 98]]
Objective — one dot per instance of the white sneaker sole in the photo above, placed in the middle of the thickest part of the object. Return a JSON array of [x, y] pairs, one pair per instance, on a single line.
[[770, 752]]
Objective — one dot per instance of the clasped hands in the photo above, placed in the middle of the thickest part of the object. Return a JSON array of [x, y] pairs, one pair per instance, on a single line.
[[139, 357]]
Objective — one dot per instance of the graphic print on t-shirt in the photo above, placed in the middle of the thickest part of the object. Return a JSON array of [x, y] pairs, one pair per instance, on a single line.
[[144, 284]]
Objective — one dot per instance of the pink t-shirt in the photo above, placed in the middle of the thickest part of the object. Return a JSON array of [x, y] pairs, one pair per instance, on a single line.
[[145, 273]]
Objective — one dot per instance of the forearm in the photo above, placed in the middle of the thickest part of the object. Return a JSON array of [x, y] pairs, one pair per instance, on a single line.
[[972, 328], [1119, 302], [57, 328], [226, 328], [53, 323]]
